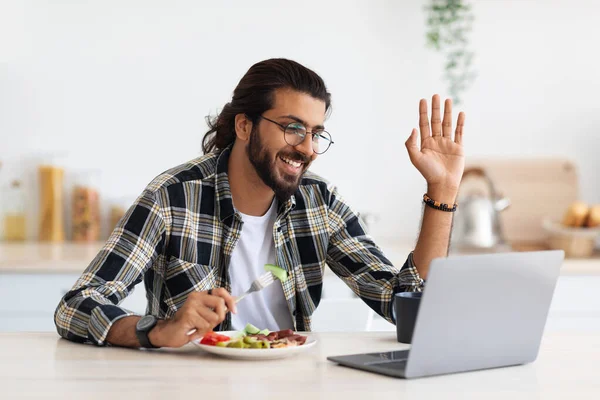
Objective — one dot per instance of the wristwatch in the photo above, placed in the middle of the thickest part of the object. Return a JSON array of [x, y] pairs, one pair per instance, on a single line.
[[143, 328]]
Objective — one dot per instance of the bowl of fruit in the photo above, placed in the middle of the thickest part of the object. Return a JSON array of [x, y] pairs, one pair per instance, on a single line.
[[577, 232]]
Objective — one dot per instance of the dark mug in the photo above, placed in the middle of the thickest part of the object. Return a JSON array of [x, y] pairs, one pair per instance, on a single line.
[[407, 307]]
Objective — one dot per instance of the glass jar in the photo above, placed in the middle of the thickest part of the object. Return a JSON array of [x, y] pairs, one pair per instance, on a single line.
[[14, 213], [117, 211], [85, 207], [118, 207], [51, 217]]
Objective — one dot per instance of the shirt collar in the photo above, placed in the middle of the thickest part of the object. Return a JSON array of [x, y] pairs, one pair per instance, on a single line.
[[223, 199]]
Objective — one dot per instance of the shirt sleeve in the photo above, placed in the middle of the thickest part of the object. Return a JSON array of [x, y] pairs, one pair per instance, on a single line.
[[87, 312], [360, 263]]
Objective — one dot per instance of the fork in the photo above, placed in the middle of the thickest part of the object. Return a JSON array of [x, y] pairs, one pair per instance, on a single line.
[[258, 284]]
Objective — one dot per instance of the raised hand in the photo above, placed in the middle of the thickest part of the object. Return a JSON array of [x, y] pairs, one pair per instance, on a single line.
[[439, 157]]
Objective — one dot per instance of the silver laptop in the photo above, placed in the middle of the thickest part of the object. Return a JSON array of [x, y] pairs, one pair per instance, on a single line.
[[477, 312]]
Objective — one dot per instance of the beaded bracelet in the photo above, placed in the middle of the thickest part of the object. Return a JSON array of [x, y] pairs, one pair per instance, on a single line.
[[438, 206]]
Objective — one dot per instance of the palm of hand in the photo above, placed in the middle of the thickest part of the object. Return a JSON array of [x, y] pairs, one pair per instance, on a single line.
[[440, 158]]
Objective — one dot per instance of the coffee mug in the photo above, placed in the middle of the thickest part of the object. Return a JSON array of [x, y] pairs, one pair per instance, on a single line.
[[407, 307]]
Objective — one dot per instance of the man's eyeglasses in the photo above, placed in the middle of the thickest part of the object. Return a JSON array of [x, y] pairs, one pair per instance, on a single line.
[[294, 134]]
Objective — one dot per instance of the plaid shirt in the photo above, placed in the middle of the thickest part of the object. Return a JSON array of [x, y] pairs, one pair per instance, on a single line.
[[178, 237]]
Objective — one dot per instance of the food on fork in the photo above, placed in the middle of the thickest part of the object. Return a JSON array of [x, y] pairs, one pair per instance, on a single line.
[[278, 272]]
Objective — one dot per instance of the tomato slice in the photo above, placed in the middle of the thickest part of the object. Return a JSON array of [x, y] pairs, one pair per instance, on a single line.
[[209, 341], [212, 338]]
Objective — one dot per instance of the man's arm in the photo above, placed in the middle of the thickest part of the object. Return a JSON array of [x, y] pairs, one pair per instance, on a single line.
[[434, 238], [201, 312], [439, 157], [89, 310], [122, 332], [360, 263]]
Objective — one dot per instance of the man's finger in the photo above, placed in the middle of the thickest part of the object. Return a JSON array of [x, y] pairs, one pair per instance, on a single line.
[[211, 317], [458, 134], [423, 120], [219, 307], [229, 300], [412, 146], [436, 121], [199, 324], [447, 122]]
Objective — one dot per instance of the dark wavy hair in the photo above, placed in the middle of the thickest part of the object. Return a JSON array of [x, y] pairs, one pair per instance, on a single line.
[[254, 95]]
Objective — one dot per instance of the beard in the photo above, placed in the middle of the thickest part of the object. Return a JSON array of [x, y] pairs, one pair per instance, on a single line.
[[284, 185]]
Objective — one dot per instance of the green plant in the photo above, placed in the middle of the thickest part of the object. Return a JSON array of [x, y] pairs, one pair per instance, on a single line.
[[449, 23]]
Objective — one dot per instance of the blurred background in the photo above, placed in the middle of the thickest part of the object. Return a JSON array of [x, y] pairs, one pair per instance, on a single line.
[[99, 97]]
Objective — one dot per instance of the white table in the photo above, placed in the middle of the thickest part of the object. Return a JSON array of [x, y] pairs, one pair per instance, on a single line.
[[40, 365]]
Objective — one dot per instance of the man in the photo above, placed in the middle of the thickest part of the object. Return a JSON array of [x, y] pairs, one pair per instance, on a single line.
[[205, 229]]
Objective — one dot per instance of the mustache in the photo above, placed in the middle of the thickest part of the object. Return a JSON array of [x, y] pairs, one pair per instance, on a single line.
[[299, 157]]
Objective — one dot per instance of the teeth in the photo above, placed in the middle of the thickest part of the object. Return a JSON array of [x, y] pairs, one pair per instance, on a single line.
[[292, 163]]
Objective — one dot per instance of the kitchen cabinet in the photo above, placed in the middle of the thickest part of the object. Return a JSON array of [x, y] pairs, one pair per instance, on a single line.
[[33, 278], [28, 301]]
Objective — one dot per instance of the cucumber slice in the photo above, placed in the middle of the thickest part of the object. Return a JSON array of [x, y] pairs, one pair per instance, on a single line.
[[251, 329], [250, 340], [265, 332], [279, 272]]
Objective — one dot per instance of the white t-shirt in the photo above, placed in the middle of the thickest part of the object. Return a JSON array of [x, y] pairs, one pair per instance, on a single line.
[[266, 309]]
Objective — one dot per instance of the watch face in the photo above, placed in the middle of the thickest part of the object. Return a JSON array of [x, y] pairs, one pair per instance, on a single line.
[[146, 322]]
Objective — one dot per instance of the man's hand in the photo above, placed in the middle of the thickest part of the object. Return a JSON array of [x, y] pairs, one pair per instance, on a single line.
[[201, 311], [440, 158]]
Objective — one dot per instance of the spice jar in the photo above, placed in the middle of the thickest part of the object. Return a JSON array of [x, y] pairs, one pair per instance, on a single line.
[[14, 213], [85, 207], [51, 217], [117, 209], [116, 213]]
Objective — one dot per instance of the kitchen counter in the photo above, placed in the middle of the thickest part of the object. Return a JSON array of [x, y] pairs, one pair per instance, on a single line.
[[48, 258], [40, 365]]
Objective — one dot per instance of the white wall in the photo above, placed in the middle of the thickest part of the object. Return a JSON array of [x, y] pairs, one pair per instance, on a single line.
[[124, 86]]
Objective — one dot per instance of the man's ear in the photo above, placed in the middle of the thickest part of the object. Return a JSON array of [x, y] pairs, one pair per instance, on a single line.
[[243, 127]]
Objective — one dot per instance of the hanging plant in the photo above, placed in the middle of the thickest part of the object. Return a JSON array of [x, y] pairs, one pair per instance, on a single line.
[[449, 23]]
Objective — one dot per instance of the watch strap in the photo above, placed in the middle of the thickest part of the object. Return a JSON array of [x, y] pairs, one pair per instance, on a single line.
[[142, 334]]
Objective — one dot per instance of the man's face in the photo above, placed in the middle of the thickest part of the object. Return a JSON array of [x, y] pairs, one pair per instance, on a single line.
[[278, 164]]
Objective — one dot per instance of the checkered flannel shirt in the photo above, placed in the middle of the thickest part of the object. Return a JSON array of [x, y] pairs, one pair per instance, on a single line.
[[179, 235]]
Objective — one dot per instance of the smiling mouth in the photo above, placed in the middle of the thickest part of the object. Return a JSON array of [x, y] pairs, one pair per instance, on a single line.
[[296, 164], [290, 166]]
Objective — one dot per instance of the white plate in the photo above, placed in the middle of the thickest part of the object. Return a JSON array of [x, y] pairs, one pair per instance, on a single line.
[[255, 354]]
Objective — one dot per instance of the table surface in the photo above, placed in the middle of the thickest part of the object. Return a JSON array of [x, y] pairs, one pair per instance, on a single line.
[[37, 365]]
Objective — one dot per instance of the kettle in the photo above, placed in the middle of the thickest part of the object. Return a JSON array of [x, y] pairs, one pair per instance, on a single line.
[[477, 219]]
